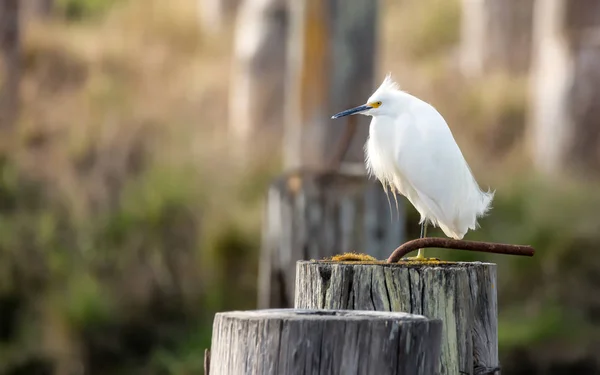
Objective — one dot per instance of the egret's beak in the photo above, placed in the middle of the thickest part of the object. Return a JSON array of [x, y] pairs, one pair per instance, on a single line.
[[352, 111]]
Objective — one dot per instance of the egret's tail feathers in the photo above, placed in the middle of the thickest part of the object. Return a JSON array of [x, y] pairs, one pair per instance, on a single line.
[[452, 233], [486, 202], [484, 208], [467, 215], [469, 219]]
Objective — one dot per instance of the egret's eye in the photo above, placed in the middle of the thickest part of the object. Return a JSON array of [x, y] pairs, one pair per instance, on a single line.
[[375, 104]]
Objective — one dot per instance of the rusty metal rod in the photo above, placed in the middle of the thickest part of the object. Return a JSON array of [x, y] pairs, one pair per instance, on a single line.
[[449, 243]]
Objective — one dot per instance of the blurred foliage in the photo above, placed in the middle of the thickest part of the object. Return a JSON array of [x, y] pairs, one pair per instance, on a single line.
[[118, 286], [78, 10], [119, 230]]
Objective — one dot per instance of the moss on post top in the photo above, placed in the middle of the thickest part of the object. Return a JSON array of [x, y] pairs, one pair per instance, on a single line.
[[354, 258]]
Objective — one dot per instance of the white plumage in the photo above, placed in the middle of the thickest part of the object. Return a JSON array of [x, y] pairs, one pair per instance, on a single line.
[[412, 151]]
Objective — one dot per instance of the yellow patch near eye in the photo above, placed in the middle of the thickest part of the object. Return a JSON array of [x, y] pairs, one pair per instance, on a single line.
[[374, 104]]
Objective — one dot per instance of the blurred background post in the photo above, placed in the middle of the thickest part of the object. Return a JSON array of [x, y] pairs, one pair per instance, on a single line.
[[324, 202], [164, 160], [565, 116], [495, 36], [10, 63], [258, 70]]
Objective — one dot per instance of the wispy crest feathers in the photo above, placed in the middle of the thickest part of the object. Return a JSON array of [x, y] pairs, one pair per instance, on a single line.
[[389, 83]]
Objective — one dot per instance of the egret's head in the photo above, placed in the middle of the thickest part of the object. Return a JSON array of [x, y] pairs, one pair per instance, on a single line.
[[380, 103]]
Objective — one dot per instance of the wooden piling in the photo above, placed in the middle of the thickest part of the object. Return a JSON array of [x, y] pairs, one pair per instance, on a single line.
[[311, 215], [258, 72], [10, 64], [324, 342], [332, 49], [564, 104], [330, 66], [462, 295], [496, 36]]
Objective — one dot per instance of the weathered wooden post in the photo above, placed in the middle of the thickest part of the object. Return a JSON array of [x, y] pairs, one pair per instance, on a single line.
[[318, 342], [462, 295], [324, 203]]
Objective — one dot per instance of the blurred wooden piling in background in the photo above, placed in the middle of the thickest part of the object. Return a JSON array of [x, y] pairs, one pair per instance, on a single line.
[[324, 203], [495, 36], [38, 8], [565, 87], [462, 295], [331, 67], [312, 215], [10, 63], [258, 71], [214, 14], [317, 342]]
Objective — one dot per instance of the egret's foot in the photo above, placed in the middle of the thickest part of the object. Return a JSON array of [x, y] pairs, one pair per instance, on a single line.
[[421, 257]]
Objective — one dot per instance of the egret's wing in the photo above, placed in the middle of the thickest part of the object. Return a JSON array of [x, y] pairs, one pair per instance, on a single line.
[[430, 161]]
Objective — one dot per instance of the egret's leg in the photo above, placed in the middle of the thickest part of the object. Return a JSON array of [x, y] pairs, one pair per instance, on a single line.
[[423, 229], [421, 253]]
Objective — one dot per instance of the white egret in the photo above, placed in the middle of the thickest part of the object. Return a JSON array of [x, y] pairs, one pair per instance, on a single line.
[[412, 151]]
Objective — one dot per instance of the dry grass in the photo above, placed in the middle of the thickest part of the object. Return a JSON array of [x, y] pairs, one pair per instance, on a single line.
[[100, 98]]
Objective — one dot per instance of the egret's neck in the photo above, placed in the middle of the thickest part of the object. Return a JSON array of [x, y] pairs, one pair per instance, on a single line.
[[382, 130], [381, 123]]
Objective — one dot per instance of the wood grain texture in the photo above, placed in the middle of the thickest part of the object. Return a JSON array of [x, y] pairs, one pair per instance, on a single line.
[[313, 215], [462, 295], [319, 342]]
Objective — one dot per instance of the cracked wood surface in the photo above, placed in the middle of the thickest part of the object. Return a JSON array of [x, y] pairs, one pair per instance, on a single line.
[[324, 342], [462, 295]]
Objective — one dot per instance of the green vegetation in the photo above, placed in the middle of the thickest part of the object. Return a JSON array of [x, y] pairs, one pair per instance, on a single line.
[[120, 235], [78, 10]]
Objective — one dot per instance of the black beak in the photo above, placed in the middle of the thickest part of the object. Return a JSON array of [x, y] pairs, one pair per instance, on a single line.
[[352, 111]]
